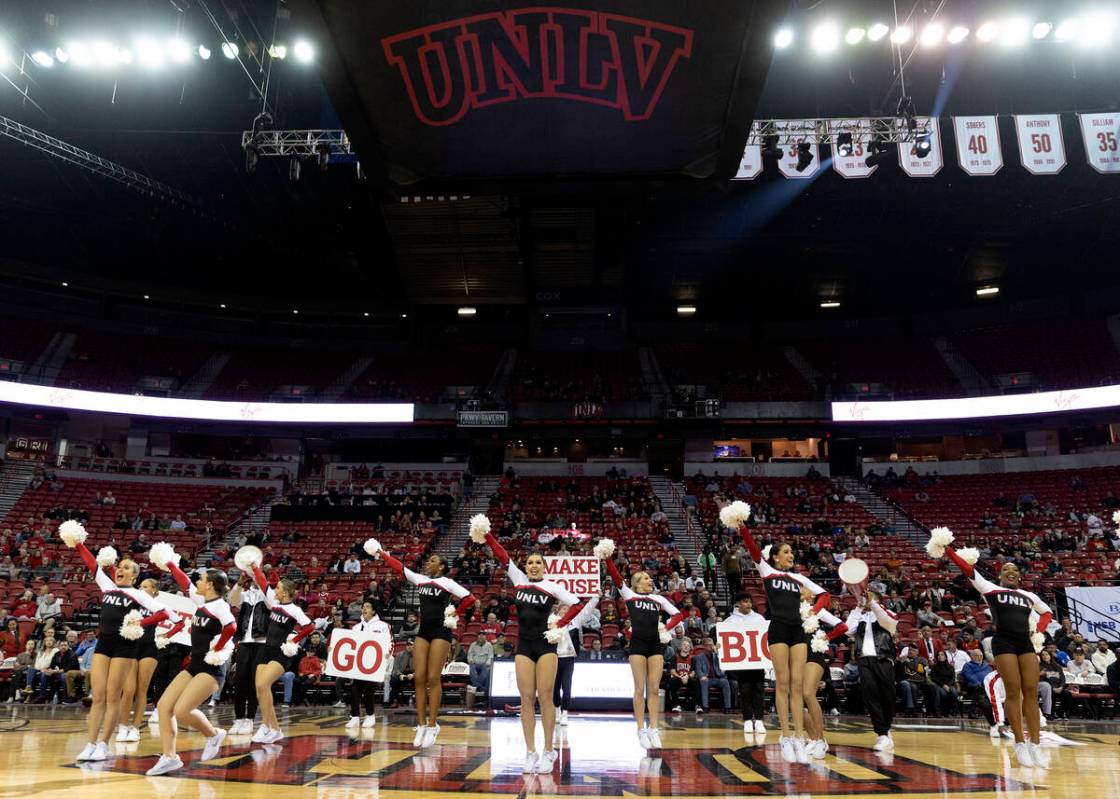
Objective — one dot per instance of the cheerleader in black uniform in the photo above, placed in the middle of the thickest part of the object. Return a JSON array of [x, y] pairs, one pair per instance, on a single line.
[[439, 616], [114, 658], [535, 659], [1015, 645], [816, 666], [789, 643], [134, 700], [647, 641], [212, 629]]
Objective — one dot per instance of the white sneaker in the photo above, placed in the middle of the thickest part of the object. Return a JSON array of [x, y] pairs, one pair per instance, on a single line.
[[1006, 732], [213, 744], [100, 752], [677, 709], [122, 733], [164, 765], [87, 750], [430, 736], [759, 727], [883, 744], [547, 761], [261, 733], [644, 738], [655, 737], [1024, 754], [353, 723], [418, 739], [563, 718], [789, 753], [530, 766], [801, 752], [154, 718], [133, 735], [339, 704], [273, 737], [818, 749], [369, 722], [1040, 756], [993, 731], [212, 703], [238, 727], [834, 712]]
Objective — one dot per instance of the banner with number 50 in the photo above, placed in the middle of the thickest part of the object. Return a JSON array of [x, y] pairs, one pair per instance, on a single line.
[[1102, 141], [1041, 146]]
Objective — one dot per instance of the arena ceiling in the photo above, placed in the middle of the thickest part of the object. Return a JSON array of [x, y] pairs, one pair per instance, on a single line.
[[600, 226]]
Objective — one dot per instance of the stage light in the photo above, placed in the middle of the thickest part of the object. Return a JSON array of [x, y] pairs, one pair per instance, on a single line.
[[124, 56], [902, 34], [1067, 30], [877, 31], [770, 149], [230, 50], [223, 305], [147, 297], [80, 54], [988, 31], [804, 156], [922, 145], [686, 310], [179, 51], [783, 38], [466, 310], [65, 284], [987, 291], [303, 52], [844, 146], [825, 38], [404, 316], [1015, 32], [102, 54], [5, 54], [1097, 29], [278, 51], [295, 310], [958, 34], [1041, 30], [43, 59], [149, 53], [830, 304], [932, 34], [294, 168], [60, 55], [855, 35], [204, 52], [879, 151]]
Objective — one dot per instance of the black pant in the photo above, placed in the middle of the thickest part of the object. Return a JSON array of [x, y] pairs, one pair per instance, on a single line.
[[876, 680], [397, 686], [684, 694], [245, 681], [752, 694], [734, 583], [362, 692], [169, 663], [564, 669]]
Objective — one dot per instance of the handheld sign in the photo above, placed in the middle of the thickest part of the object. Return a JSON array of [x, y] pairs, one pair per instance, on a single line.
[[358, 655], [579, 574], [742, 644]]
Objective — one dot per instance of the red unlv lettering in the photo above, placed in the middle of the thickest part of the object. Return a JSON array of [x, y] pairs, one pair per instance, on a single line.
[[567, 54], [347, 657]]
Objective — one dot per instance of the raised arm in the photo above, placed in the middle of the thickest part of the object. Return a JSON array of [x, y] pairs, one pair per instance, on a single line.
[[412, 577], [749, 543], [887, 620], [979, 582], [513, 571]]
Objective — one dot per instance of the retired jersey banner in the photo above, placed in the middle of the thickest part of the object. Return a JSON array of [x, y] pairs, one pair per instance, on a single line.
[[1041, 147], [927, 167], [854, 165], [358, 655], [787, 164], [978, 148], [1101, 133], [577, 573], [742, 645], [750, 165]]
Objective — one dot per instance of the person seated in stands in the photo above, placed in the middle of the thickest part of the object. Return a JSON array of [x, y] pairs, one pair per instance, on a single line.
[[411, 627], [968, 641], [683, 689], [352, 566], [1078, 665], [972, 677], [927, 616], [139, 544], [491, 628]]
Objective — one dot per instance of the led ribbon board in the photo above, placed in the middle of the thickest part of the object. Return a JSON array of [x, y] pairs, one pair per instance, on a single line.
[[1081, 399]]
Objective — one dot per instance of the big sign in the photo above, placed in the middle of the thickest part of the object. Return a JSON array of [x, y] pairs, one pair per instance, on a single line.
[[577, 573], [742, 643], [358, 656]]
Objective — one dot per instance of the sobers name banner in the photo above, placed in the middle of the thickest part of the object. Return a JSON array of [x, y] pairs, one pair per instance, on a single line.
[[358, 656], [1041, 147], [577, 573], [978, 148], [742, 644]]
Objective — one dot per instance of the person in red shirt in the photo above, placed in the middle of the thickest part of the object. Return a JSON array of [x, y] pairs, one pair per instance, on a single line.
[[491, 628], [11, 642], [968, 641], [310, 672], [25, 606]]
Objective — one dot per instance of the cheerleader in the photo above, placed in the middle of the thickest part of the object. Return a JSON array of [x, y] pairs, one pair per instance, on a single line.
[[438, 617], [1015, 645], [816, 666], [114, 658], [789, 644], [535, 661], [364, 692], [647, 641], [134, 700], [212, 629]]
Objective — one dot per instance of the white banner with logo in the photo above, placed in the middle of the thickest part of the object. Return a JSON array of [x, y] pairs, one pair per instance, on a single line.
[[787, 164], [1042, 149], [978, 147], [927, 167], [358, 655], [853, 165], [577, 573], [1101, 133], [186, 607], [750, 165], [742, 645], [1095, 611]]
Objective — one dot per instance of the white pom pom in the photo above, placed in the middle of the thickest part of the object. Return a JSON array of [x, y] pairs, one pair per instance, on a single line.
[[106, 557], [604, 550], [939, 539], [162, 641], [735, 515], [553, 635], [480, 526], [811, 624], [246, 559], [372, 547], [1037, 640], [766, 552], [819, 642], [289, 649], [72, 533], [663, 633], [969, 555], [161, 554], [217, 658], [451, 622], [130, 627]]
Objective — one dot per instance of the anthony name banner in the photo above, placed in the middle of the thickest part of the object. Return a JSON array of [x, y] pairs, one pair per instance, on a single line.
[[358, 655], [1041, 146], [577, 573], [742, 644]]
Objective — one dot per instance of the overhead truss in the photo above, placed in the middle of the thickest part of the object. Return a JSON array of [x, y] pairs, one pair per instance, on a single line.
[[296, 143], [887, 130]]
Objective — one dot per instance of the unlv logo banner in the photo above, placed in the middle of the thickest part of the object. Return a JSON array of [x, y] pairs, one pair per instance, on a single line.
[[465, 88]]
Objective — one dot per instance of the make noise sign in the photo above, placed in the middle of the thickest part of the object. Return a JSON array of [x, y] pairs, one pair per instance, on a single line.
[[1039, 138]]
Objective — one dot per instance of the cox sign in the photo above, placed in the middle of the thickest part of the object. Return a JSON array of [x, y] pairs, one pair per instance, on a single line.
[[358, 656]]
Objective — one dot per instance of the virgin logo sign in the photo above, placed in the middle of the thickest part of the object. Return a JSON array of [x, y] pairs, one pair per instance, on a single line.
[[569, 54], [358, 655]]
